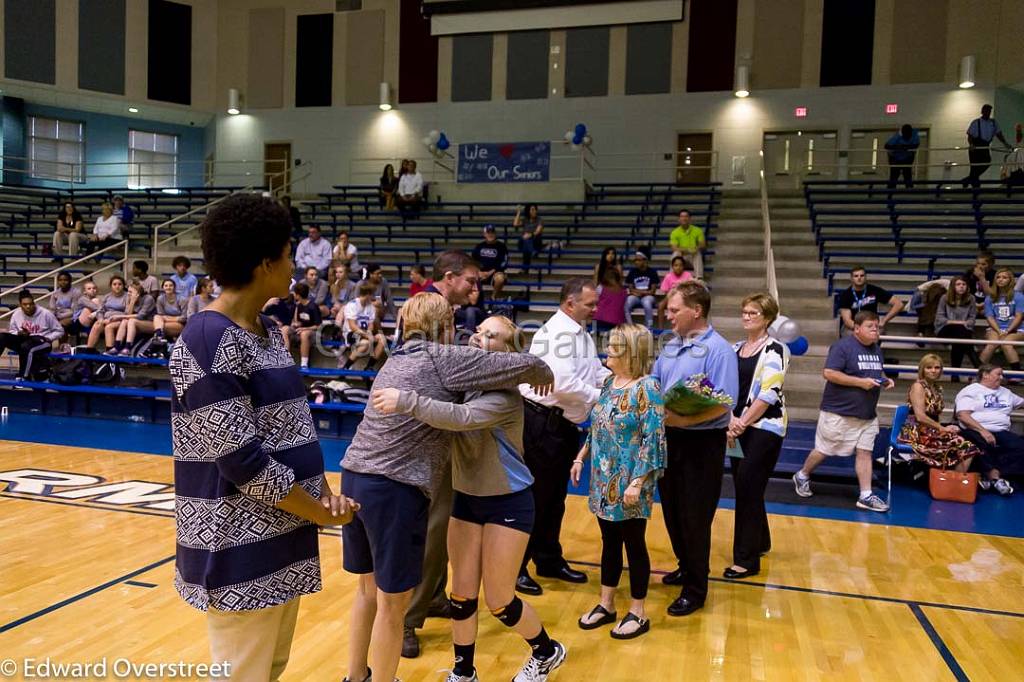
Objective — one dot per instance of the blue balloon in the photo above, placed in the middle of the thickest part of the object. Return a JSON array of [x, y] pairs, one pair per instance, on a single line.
[[577, 139], [443, 143], [580, 130], [800, 346]]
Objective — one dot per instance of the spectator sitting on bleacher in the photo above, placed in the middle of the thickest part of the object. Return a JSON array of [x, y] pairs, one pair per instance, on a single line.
[[642, 282], [293, 216], [203, 298], [63, 301], [925, 302], [531, 240], [305, 321], [688, 241], [141, 307], [106, 231], [863, 296], [983, 410], [318, 290], [341, 288], [418, 280], [140, 273], [954, 319], [611, 301], [112, 306], [609, 259], [171, 311], [936, 444], [184, 281], [848, 418], [32, 333], [346, 252], [386, 189], [410, 190], [167, 301], [281, 310], [383, 299], [492, 255], [979, 137], [87, 305], [69, 224], [1004, 311], [124, 213], [361, 326], [902, 148], [313, 251], [980, 278], [681, 272]]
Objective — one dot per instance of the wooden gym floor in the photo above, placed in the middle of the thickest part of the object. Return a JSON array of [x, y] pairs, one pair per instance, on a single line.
[[88, 575]]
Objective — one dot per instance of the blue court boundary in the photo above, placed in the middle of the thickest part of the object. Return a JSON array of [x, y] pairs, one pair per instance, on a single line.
[[912, 508]]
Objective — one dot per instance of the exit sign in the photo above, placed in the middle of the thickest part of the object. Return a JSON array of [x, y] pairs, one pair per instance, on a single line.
[[892, 108], [800, 112]]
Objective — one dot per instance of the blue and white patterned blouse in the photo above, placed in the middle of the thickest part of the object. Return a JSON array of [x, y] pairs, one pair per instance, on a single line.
[[242, 436], [627, 441]]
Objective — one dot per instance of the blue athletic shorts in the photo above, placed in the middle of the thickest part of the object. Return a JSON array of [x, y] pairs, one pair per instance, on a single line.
[[513, 510], [388, 534]]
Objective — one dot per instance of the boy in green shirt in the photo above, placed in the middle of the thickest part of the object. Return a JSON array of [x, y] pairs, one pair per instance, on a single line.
[[688, 241]]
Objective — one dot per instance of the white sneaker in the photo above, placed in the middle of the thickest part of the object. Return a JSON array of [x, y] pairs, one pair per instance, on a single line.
[[536, 670], [802, 485], [452, 677], [872, 503], [1002, 486]]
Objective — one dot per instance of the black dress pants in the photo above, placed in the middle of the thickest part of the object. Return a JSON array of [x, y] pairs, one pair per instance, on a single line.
[[750, 474], [550, 443], [33, 353], [690, 489], [981, 159]]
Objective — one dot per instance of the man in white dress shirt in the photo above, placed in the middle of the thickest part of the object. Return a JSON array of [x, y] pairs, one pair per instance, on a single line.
[[551, 435]]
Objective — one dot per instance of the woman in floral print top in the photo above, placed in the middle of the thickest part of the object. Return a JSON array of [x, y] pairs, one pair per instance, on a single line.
[[627, 443]]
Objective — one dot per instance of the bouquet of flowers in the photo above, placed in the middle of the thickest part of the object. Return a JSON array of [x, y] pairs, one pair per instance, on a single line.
[[694, 395]]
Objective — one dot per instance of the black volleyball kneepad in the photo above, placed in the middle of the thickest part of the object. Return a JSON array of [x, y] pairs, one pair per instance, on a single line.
[[462, 608], [510, 613]]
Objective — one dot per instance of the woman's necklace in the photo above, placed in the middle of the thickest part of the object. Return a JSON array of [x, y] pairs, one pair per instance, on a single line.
[[748, 350], [625, 385]]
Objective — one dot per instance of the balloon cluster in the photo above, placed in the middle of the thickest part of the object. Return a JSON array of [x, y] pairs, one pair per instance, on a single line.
[[437, 142], [578, 137], [788, 332]]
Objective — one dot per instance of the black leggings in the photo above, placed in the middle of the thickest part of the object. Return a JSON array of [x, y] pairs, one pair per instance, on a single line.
[[630, 532], [959, 350]]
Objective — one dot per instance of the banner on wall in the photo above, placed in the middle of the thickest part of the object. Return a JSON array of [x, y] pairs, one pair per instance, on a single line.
[[504, 162]]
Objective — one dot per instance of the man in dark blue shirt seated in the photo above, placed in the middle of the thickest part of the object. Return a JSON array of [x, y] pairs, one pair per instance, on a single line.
[[124, 213], [492, 255]]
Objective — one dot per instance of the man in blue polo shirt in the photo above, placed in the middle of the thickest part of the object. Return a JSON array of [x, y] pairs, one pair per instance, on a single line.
[[692, 482]]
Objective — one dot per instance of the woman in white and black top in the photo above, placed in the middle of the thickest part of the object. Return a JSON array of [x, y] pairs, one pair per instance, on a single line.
[[112, 308], [757, 426]]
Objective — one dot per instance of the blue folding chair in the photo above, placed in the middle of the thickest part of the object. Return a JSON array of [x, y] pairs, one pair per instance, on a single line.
[[896, 447]]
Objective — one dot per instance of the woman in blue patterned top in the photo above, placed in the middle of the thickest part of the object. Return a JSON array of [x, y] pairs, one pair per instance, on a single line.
[[627, 444], [248, 471], [758, 425]]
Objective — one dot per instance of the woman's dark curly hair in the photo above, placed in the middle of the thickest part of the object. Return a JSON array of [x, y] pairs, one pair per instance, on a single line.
[[239, 234]]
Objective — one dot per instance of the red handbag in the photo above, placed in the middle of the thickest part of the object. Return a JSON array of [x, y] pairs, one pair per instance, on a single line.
[[953, 486]]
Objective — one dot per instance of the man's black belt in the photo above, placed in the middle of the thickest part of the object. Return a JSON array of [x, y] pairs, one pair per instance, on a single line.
[[544, 409]]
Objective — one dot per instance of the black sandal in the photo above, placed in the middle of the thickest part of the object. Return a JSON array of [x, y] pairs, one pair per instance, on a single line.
[[606, 617], [645, 625]]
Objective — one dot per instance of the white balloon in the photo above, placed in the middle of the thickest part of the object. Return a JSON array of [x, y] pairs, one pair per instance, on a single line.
[[788, 332], [434, 136], [587, 140], [427, 141], [569, 135], [432, 147]]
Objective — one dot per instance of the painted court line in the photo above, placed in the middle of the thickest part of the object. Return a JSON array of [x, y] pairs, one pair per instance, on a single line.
[[82, 595], [136, 583], [947, 655]]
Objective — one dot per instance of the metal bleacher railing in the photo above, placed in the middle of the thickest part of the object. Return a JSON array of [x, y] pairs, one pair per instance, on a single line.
[[771, 279]]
